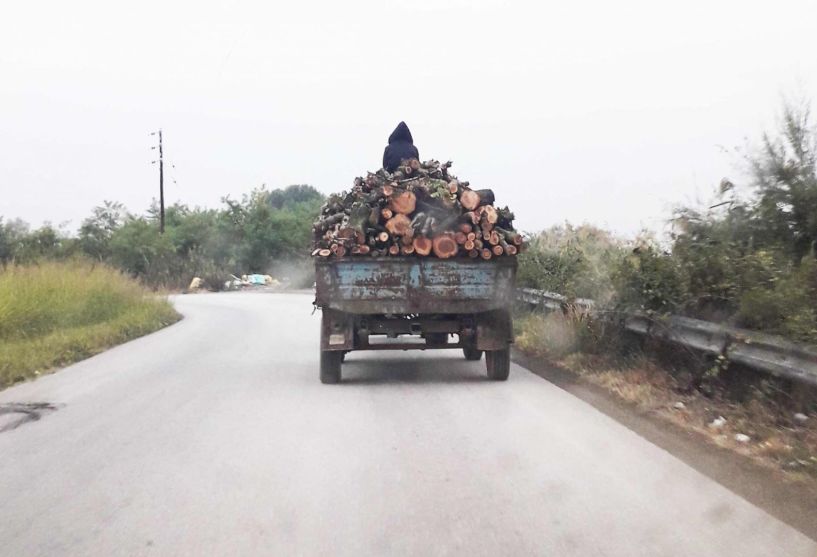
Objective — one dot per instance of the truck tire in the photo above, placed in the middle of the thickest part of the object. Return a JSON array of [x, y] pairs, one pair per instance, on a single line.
[[330, 366], [471, 353], [498, 364]]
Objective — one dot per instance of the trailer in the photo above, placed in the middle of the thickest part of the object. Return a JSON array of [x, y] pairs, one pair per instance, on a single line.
[[415, 303]]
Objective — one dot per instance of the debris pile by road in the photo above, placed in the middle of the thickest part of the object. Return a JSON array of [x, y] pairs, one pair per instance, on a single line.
[[235, 283], [419, 209]]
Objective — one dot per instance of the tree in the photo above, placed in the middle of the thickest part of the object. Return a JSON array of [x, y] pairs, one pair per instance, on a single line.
[[785, 176], [294, 195], [139, 249], [12, 237], [269, 226], [6, 247], [573, 261], [97, 230]]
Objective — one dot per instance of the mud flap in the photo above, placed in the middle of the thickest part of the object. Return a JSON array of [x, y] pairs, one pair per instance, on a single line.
[[494, 330], [337, 330]]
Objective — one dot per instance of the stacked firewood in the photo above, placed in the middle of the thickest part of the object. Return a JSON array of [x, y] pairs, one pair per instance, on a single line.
[[419, 209]]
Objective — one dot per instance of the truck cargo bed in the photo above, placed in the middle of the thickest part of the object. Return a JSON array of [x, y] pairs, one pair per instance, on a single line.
[[407, 285]]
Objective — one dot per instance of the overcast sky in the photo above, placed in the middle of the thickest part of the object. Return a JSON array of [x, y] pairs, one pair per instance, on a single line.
[[588, 111]]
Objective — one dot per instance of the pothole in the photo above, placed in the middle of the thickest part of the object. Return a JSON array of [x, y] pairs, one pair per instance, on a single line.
[[15, 414]]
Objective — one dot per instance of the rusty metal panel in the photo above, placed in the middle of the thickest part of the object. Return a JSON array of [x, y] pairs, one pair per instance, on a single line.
[[494, 330], [337, 330], [414, 285]]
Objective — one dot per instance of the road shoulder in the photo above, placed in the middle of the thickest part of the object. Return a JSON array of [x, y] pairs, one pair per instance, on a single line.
[[764, 487]]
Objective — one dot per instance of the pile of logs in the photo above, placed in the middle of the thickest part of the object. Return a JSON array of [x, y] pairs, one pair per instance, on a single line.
[[420, 209]]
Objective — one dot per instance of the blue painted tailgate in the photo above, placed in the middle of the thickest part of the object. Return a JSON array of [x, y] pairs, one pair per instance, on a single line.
[[414, 285]]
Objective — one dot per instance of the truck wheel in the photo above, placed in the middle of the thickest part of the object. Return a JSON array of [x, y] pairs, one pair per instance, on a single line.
[[471, 353], [498, 363], [330, 366]]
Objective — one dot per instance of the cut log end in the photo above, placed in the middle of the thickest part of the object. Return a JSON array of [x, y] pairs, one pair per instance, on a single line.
[[469, 199], [445, 246], [422, 245], [404, 202], [399, 225], [490, 213]]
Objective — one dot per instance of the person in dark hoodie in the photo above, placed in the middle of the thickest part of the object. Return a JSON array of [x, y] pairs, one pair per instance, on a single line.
[[400, 147]]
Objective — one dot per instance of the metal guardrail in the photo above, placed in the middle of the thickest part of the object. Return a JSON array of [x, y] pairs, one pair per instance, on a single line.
[[766, 353], [550, 300]]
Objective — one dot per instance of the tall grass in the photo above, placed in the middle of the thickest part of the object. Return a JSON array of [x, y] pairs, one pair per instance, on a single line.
[[53, 314]]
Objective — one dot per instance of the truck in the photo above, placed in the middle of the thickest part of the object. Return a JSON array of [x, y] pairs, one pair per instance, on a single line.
[[415, 303]]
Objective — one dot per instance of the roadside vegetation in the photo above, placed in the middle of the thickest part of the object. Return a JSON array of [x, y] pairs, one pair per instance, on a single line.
[[264, 232], [56, 313], [66, 296], [747, 258]]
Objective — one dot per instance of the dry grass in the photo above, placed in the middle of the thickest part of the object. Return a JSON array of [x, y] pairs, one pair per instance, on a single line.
[[775, 438], [54, 314], [546, 335]]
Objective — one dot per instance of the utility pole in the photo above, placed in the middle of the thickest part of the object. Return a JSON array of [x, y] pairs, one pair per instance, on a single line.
[[161, 187]]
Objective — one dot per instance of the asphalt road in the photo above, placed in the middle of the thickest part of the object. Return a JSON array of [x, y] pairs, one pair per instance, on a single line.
[[215, 437]]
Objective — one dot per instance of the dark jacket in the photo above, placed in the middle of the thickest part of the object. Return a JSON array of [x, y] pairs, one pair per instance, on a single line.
[[400, 147]]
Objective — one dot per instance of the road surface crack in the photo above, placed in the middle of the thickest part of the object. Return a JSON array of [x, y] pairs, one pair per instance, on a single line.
[[15, 414]]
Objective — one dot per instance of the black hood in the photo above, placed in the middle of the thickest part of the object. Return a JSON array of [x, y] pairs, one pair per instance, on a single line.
[[401, 133]]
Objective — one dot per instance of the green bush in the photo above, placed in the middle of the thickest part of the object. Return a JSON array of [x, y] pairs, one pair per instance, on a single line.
[[573, 261], [787, 307], [648, 279]]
